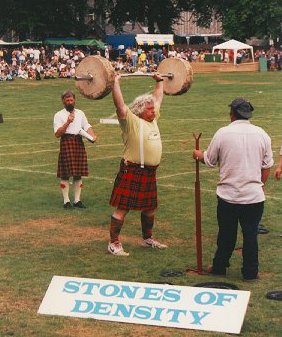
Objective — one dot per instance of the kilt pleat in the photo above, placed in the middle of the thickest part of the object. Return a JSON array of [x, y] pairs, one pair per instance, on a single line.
[[135, 188], [72, 159]]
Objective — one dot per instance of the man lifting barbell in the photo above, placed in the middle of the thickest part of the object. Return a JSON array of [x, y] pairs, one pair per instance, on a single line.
[[135, 184]]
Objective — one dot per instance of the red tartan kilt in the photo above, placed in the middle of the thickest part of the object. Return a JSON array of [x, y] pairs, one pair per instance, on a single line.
[[72, 157], [135, 188]]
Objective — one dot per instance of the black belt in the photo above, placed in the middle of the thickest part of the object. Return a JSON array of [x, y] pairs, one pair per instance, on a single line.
[[130, 164], [70, 135]]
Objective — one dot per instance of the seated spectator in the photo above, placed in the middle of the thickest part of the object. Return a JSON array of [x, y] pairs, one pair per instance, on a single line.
[[62, 71], [31, 73], [119, 64], [22, 72], [9, 76], [37, 75], [68, 72], [2, 76], [49, 73]]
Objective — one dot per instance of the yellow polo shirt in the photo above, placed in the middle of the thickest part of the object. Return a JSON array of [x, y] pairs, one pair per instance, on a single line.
[[152, 143]]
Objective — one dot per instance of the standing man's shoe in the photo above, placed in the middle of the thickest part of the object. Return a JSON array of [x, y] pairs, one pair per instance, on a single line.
[[67, 205], [79, 204], [213, 272]]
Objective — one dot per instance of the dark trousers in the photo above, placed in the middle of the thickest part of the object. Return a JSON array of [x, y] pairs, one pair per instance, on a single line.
[[228, 217]]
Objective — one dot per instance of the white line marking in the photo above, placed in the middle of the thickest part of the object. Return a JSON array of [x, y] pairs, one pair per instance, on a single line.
[[25, 118], [26, 152], [27, 144], [26, 170], [183, 173], [206, 190], [111, 180]]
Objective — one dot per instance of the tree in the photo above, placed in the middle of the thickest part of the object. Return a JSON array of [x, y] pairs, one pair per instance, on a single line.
[[242, 19], [40, 19], [156, 14]]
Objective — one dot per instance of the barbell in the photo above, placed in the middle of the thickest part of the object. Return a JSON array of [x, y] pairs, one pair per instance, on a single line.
[[95, 76]]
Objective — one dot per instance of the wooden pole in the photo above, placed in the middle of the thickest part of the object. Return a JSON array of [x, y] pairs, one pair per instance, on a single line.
[[198, 210]]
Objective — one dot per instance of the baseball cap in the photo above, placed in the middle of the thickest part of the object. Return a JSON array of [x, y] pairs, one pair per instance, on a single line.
[[242, 107]]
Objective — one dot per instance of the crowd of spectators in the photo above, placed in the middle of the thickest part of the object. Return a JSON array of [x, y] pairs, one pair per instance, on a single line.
[[39, 62], [139, 59], [273, 57]]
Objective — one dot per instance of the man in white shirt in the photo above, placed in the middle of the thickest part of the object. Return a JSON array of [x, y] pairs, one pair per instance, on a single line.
[[72, 161], [244, 155]]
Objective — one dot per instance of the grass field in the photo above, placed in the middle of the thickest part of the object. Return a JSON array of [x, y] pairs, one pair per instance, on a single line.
[[40, 239]]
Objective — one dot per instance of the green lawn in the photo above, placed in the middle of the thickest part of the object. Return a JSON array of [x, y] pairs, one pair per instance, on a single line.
[[40, 239]]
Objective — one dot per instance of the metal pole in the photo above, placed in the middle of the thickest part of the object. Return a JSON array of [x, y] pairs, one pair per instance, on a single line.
[[89, 77], [141, 74]]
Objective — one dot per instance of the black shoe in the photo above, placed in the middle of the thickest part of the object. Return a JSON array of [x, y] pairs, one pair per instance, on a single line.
[[213, 272], [250, 279], [67, 205], [79, 204]]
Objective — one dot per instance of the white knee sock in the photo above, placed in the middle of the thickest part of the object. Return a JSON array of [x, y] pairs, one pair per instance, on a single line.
[[65, 187], [77, 190]]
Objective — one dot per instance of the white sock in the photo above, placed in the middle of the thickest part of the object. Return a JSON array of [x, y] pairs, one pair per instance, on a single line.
[[65, 187], [77, 190]]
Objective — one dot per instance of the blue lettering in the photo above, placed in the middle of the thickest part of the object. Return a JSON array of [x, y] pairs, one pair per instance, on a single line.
[[142, 312], [102, 308], [82, 306], [89, 287], [224, 298], [158, 313], [124, 310], [71, 287], [127, 291], [175, 314], [205, 297], [109, 290], [152, 294], [171, 295], [198, 316]]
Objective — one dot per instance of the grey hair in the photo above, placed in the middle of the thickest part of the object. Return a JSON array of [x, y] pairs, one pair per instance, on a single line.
[[67, 93], [138, 105]]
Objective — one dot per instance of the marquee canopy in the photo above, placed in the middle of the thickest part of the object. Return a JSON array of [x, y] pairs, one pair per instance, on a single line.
[[154, 39], [3, 43], [75, 42], [234, 45]]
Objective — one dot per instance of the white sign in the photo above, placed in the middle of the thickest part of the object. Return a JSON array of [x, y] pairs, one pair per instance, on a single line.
[[145, 303], [109, 121]]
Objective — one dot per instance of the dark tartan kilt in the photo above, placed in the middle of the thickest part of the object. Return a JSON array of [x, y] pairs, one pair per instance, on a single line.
[[72, 160], [135, 188]]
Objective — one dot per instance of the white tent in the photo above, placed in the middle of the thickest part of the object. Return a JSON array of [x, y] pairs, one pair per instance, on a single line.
[[234, 45]]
